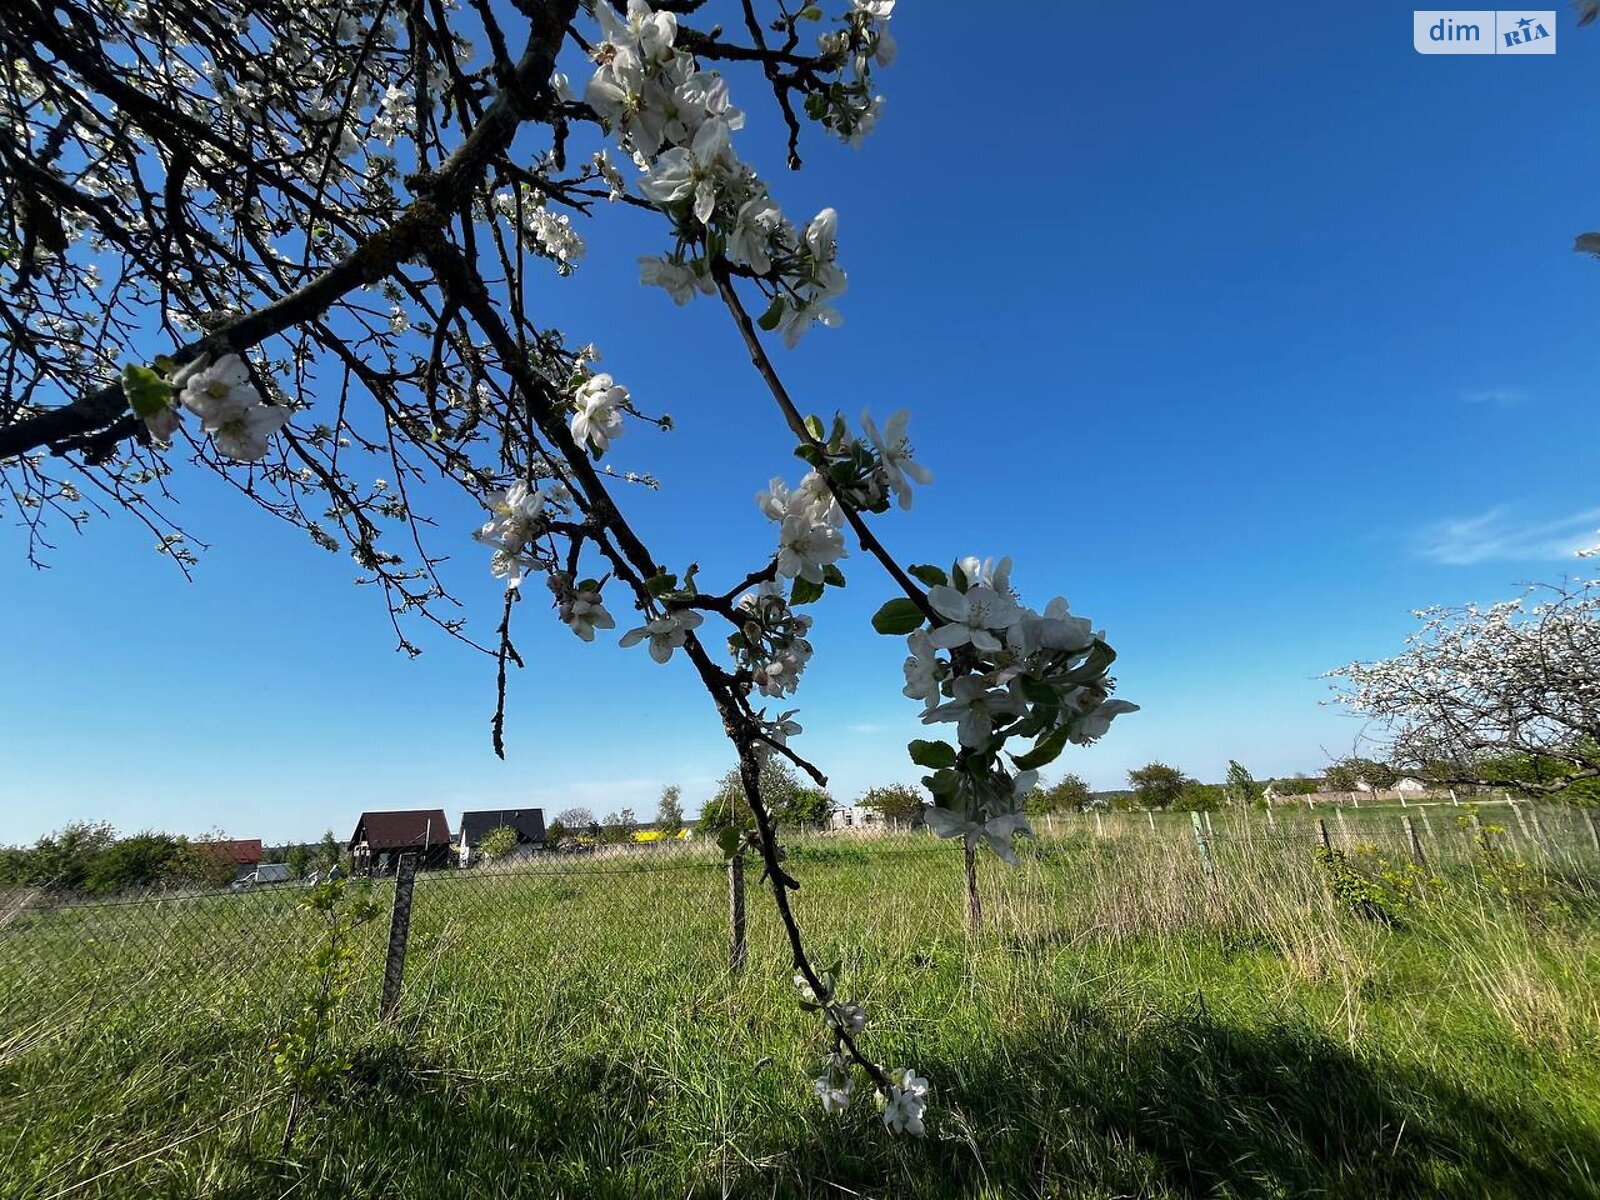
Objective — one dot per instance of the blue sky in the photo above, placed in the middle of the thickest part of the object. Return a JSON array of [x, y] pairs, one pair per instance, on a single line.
[[1247, 333]]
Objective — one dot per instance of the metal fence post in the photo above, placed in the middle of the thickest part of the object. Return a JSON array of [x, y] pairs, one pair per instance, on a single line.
[[736, 941], [1322, 831], [394, 963]]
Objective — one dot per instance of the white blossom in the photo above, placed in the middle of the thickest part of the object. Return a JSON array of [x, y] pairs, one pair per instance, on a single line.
[[894, 455], [973, 616], [923, 670], [665, 634], [230, 408], [834, 1089], [907, 1103], [680, 279], [974, 706], [805, 548], [597, 416]]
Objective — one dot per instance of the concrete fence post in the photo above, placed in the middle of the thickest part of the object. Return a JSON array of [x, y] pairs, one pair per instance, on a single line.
[[1416, 843], [394, 962], [1546, 846], [1205, 847], [1522, 821]]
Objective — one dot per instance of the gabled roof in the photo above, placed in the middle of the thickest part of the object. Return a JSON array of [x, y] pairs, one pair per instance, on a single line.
[[402, 830], [528, 822], [244, 851]]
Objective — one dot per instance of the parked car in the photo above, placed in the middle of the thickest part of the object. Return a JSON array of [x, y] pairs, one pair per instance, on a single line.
[[265, 873]]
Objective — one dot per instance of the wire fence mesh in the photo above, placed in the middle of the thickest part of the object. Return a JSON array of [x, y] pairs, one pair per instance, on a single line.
[[593, 926]]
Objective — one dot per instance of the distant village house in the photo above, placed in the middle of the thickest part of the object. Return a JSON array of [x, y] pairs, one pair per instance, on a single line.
[[854, 816], [381, 838], [526, 823]]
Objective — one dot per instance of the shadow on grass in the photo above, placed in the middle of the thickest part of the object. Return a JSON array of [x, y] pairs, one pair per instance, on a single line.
[[1187, 1107]]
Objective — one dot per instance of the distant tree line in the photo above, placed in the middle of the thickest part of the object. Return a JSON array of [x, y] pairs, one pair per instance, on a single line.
[[91, 857]]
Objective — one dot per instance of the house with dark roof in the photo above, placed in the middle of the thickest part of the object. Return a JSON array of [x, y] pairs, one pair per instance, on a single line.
[[527, 823], [382, 837]]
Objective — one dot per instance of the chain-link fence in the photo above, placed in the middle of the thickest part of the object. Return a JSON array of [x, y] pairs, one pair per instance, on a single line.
[[595, 925]]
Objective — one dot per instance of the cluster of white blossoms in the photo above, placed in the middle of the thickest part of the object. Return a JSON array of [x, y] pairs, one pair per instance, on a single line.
[[850, 108], [550, 234], [906, 1102], [809, 538], [676, 123], [598, 403], [521, 514], [579, 605], [223, 397], [1008, 671], [770, 641], [864, 471]]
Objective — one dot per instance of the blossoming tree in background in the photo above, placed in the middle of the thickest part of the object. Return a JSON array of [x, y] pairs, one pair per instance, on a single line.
[[1503, 696], [307, 247]]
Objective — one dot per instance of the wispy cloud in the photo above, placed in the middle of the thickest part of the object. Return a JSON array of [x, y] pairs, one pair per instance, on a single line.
[[866, 728], [1499, 535], [1495, 397]]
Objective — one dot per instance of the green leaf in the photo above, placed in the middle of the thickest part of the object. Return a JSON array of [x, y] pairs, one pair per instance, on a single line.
[[1101, 656], [814, 426], [958, 577], [811, 455], [838, 434], [832, 576], [1047, 750], [1039, 691], [769, 319], [897, 616], [728, 838], [811, 13], [942, 783], [929, 574], [146, 391], [661, 584], [932, 754], [804, 592]]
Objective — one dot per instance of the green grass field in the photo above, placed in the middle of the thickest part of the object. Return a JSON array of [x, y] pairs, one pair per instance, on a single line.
[[1125, 1025]]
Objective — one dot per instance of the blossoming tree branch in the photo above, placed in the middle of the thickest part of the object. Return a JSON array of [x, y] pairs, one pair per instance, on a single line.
[[278, 241]]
